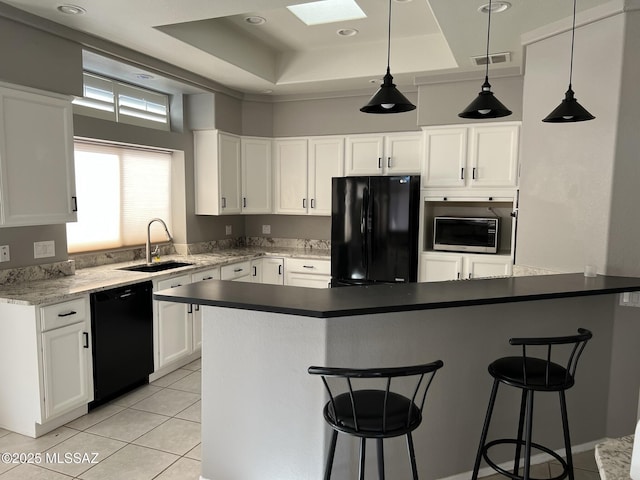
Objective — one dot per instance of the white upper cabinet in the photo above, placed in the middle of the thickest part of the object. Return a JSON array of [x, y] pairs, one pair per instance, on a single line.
[[471, 156], [217, 173], [37, 181], [291, 171], [256, 175], [392, 154], [326, 160]]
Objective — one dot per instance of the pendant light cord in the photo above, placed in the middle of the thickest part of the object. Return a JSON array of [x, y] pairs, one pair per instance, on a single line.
[[573, 34], [486, 71], [389, 40]]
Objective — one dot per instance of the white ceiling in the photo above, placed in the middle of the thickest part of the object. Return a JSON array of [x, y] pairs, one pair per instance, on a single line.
[[429, 39]]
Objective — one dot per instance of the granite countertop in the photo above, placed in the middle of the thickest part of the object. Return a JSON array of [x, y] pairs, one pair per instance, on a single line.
[[93, 279], [613, 458], [383, 298]]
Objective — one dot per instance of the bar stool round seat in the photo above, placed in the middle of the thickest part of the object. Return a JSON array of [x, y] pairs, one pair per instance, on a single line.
[[532, 374], [375, 413]]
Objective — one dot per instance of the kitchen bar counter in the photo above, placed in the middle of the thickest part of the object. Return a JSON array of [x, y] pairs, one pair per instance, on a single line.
[[259, 403], [347, 301]]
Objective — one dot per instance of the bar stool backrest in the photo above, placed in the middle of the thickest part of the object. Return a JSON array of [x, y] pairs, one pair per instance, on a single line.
[[579, 341], [419, 386]]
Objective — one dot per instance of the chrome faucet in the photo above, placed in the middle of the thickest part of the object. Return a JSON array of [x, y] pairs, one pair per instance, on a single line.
[[148, 245]]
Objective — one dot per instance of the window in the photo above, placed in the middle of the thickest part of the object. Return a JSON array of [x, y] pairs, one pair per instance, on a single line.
[[119, 190], [118, 102]]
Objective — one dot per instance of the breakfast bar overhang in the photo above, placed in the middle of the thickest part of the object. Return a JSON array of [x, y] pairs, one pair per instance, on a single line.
[[262, 412]]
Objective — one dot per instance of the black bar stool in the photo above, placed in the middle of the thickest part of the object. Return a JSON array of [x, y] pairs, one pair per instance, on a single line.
[[378, 414], [532, 374]]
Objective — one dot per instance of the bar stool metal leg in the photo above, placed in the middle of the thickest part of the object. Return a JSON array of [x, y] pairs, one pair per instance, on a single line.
[[380, 460], [485, 429], [412, 456], [332, 451], [567, 439], [523, 406], [363, 448], [527, 445]]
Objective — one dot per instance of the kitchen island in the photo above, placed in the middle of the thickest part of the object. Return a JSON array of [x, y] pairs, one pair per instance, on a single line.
[[262, 412]]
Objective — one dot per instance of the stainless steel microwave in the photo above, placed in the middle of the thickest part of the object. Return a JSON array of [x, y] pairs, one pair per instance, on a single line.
[[466, 234]]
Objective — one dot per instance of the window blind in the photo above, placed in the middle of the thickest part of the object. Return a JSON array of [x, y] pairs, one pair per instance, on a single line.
[[119, 190]]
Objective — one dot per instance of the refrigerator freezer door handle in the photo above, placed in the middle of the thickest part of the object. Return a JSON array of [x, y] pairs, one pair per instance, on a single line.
[[363, 226]]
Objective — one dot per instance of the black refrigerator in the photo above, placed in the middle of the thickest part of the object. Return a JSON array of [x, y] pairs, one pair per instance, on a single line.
[[374, 230]]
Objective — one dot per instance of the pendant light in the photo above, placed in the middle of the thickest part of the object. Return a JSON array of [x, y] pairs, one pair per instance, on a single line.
[[569, 109], [388, 98], [486, 105]]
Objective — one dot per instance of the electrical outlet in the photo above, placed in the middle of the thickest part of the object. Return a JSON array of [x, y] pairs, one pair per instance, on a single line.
[[227, 229], [44, 249], [630, 299], [4, 253], [266, 229]]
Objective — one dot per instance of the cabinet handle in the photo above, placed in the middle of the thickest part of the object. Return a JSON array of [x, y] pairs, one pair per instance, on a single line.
[[207, 278], [244, 202], [458, 275], [304, 203], [473, 173], [68, 314], [75, 204], [313, 204], [379, 162], [178, 285], [469, 276], [86, 339], [236, 270], [197, 308], [224, 202], [462, 173], [279, 269], [388, 162], [307, 266], [190, 310], [255, 271]]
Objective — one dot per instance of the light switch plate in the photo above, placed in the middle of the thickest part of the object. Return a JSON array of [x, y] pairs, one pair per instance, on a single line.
[[4, 253], [630, 299], [266, 229], [44, 249]]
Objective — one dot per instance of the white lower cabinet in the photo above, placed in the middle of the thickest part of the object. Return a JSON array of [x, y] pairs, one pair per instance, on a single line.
[[45, 365], [436, 266], [272, 270], [173, 329], [312, 273]]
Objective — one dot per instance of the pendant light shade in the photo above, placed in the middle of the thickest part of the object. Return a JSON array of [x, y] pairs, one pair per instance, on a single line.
[[388, 98], [486, 105], [569, 109]]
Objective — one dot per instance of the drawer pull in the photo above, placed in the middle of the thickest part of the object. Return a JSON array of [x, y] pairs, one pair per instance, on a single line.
[[177, 285], [68, 314], [308, 266], [236, 270], [207, 278]]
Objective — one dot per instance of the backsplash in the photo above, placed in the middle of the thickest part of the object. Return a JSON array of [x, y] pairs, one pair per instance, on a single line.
[[306, 244], [37, 272]]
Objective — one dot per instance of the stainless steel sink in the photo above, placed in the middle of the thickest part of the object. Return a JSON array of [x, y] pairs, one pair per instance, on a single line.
[[156, 267]]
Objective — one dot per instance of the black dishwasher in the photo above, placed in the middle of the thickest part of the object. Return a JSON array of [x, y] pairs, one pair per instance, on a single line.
[[122, 334]]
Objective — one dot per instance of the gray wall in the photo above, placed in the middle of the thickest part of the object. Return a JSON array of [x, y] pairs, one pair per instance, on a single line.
[[440, 103], [289, 226]]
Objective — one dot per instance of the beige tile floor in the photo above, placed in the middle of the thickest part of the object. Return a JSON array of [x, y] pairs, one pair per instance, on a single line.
[[150, 433], [153, 433]]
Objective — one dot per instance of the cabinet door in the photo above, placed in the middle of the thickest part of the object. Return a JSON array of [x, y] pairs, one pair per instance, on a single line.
[[482, 266], [493, 156], [230, 167], [363, 155], [435, 267], [66, 374], [273, 270], [291, 176], [403, 154], [445, 157], [36, 159], [256, 175], [326, 160], [175, 329]]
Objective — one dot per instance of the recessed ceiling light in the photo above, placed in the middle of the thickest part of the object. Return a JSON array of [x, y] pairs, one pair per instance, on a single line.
[[71, 10], [255, 20], [347, 32], [327, 11], [496, 7], [144, 76]]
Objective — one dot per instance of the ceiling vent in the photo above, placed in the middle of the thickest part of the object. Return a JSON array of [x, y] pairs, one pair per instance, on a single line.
[[481, 61]]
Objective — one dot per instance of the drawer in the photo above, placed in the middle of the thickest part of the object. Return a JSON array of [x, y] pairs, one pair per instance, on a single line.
[[64, 313], [235, 270], [174, 282], [306, 265], [210, 274]]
